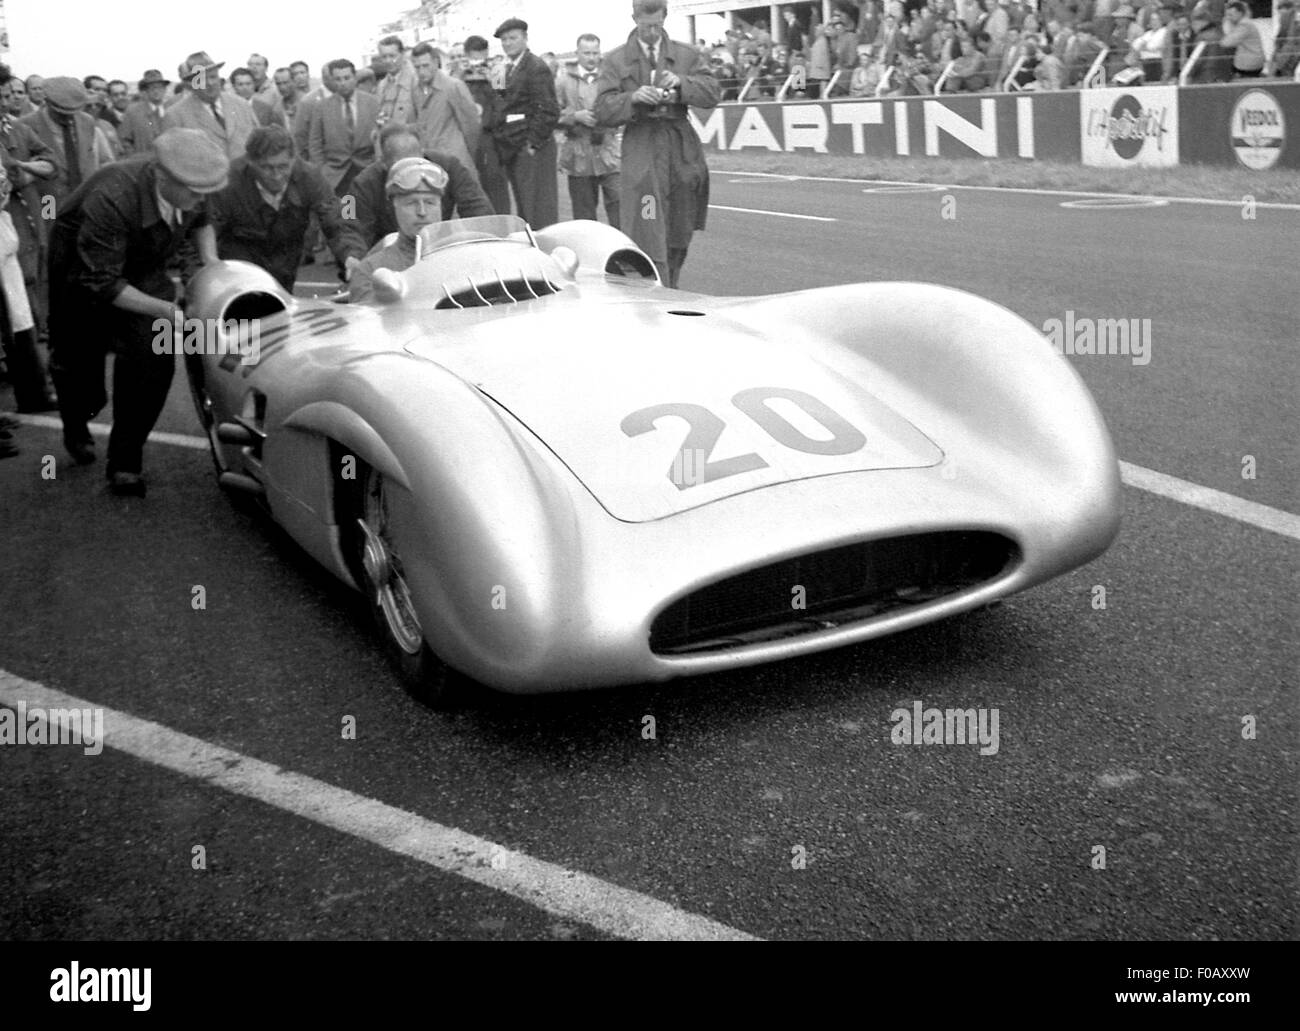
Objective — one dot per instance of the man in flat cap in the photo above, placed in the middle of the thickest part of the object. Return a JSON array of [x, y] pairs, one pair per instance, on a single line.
[[142, 120], [525, 136], [70, 134], [415, 188], [109, 286], [226, 118], [647, 85]]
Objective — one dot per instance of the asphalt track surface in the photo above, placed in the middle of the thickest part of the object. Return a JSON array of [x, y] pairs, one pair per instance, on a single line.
[[1119, 728]]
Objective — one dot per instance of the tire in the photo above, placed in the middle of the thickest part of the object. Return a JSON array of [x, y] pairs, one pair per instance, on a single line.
[[377, 567]]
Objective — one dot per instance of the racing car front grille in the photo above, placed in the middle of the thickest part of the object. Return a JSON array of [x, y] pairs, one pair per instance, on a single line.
[[499, 291], [835, 587]]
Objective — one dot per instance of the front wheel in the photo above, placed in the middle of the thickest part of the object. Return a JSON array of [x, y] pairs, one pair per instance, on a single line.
[[383, 577]]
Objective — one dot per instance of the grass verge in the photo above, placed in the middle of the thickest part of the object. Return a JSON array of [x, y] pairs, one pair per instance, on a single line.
[[1231, 184]]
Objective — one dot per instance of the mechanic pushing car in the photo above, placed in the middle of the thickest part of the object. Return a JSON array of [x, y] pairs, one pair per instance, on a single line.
[[415, 187]]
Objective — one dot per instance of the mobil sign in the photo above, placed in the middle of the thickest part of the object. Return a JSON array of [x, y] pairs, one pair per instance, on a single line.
[[1120, 128]]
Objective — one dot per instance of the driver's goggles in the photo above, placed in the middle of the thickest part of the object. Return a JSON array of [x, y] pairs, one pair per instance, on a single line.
[[425, 176]]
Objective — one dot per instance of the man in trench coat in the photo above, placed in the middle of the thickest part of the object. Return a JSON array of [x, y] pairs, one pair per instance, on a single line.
[[647, 85]]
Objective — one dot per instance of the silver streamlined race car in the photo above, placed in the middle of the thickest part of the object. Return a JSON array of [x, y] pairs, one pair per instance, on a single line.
[[548, 472]]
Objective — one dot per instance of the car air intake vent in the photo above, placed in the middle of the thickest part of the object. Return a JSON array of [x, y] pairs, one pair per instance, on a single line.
[[496, 291], [841, 586]]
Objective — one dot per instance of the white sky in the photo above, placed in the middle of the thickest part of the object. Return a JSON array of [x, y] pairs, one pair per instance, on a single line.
[[119, 40]]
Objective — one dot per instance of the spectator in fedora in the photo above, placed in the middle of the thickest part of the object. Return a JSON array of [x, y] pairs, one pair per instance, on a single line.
[[143, 120], [223, 116], [109, 252]]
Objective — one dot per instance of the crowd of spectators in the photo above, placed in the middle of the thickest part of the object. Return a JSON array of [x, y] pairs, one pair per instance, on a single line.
[[109, 194], [907, 47]]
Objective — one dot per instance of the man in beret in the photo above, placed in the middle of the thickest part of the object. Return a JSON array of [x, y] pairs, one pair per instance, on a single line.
[[226, 118], [142, 120], [415, 188], [647, 85], [109, 286], [525, 136], [372, 219]]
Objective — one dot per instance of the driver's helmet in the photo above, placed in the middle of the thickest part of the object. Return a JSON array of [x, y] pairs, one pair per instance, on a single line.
[[415, 175]]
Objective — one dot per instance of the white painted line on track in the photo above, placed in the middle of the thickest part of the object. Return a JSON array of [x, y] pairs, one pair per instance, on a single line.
[[1274, 520], [1115, 203], [1217, 501], [1266, 205], [561, 892], [98, 429], [778, 214], [906, 188]]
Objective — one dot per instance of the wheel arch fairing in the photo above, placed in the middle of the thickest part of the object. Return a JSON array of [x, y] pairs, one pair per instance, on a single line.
[[481, 513]]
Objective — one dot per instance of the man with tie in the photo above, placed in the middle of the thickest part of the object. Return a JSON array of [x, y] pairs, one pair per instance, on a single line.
[[590, 155], [223, 116], [396, 92], [69, 133], [340, 138], [110, 289], [142, 121], [648, 85], [525, 136]]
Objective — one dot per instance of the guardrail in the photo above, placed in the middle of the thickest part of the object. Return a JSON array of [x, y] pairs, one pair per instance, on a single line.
[[1011, 84], [947, 71], [1095, 77], [1195, 56]]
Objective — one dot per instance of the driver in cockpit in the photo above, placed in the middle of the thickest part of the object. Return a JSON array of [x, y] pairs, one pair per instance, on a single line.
[[415, 187]]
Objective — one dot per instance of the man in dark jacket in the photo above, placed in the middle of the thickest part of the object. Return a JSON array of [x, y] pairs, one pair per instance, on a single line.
[[647, 85], [371, 216], [262, 214], [478, 80], [525, 137], [109, 289]]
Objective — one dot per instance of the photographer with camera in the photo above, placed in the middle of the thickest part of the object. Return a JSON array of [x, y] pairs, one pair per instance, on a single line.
[[477, 77], [647, 85], [589, 155]]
